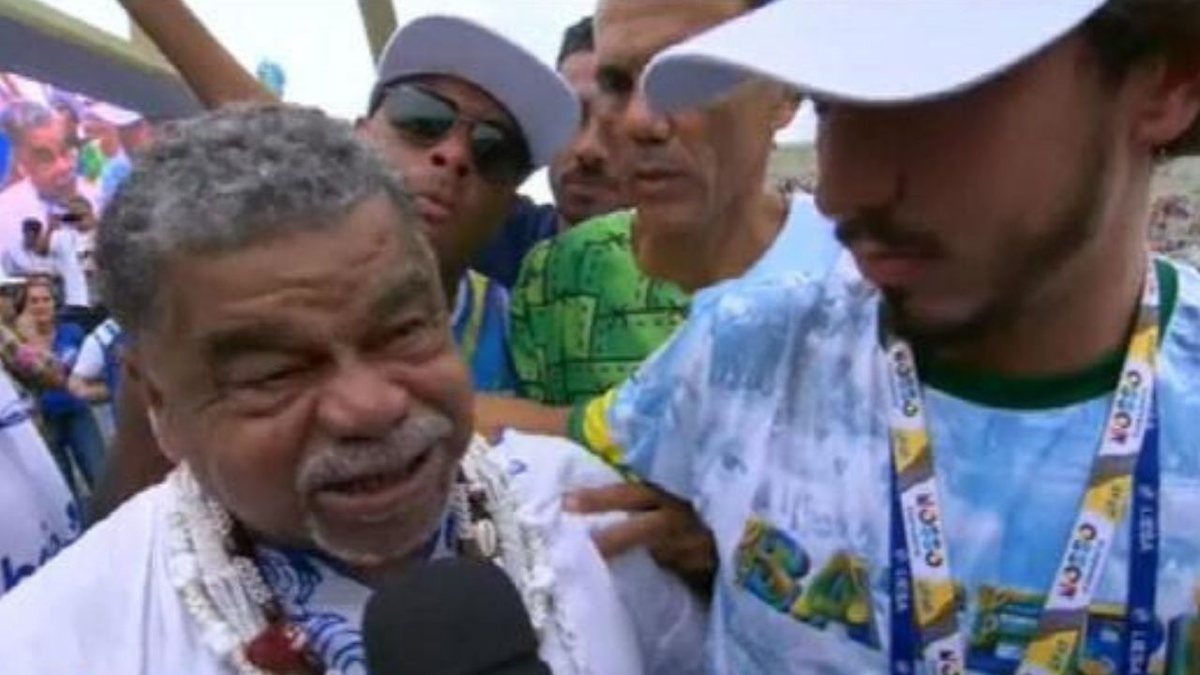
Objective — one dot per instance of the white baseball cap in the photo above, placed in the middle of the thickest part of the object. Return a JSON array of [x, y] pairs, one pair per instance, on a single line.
[[114, 115], [863, 51], [543, 105]]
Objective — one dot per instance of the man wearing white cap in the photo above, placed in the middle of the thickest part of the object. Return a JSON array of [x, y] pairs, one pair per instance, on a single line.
[[134, 134], [982, 456]]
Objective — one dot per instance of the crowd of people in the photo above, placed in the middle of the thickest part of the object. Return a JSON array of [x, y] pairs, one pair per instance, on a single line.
[[704, 421]]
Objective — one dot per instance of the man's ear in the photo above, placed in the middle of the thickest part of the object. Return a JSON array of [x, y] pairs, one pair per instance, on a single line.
[[150, 399], [1169, 102], [787, 107]]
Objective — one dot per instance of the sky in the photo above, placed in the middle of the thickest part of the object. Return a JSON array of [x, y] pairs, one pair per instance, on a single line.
[[323, 49]]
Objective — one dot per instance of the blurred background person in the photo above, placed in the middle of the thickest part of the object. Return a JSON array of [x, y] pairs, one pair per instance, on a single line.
[[97, 372], [32, 256], [582, 174], [133, 133], [73, 435], [46, 157]]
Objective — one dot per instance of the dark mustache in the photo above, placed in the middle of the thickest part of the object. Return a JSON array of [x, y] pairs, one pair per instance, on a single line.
[[887, 232]]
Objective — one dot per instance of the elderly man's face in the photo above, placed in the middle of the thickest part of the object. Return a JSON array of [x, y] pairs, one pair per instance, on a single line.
[[312, 385], [683, 171], [460, 208], [48, 160]]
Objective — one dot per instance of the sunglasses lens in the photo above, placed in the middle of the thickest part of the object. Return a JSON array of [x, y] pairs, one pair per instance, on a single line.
[[418, 114], [498, 155]]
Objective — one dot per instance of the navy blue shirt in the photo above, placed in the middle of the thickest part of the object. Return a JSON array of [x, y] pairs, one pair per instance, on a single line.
[[527, 224]]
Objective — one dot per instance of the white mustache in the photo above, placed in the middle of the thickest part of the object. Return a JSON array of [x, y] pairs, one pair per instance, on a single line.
[[345, 461]]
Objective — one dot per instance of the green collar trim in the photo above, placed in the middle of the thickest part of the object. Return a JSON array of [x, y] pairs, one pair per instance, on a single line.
[[1054, 391]]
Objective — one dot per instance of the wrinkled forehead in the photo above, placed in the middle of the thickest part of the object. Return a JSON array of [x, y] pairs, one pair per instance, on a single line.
[[325, 274], [50, 134]]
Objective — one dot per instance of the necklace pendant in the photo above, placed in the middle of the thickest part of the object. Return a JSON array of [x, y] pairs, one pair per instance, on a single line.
[[280, 648], [486, 538]]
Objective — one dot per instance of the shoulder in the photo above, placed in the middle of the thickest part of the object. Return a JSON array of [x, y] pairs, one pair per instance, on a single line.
[[542, 466], [485, 288], [610, 232], [1178, 391], [18, 193], [92, 584], [537, 221], [613, 229]]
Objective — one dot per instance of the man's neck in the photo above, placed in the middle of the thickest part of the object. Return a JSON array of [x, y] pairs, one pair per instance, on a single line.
[[723, 249], [451, 276], [1073, 325]]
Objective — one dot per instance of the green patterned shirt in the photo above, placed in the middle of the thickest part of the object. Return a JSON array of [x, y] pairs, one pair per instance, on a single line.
[[584, 316]]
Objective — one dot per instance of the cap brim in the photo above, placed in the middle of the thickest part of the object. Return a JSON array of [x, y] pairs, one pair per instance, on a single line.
[[863, 51], [540, 101]]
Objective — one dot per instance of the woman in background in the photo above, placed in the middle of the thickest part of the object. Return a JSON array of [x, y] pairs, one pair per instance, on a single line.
[[72, 433]]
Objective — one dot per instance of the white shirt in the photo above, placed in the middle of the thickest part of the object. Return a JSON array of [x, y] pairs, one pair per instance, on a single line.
[[108, 605], [21, 262], [39, 515], [64, 250]]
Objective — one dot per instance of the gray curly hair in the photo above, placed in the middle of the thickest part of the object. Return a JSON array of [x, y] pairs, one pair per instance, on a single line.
[[24, 116], [232, 178]]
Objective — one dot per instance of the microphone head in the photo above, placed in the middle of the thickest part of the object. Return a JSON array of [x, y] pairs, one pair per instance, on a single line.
[[453, 616]]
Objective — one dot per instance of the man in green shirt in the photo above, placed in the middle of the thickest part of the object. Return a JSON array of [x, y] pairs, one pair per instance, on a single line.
[[593, 303]]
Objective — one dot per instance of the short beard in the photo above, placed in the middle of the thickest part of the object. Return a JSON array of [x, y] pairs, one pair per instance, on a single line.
[[1026, 273]]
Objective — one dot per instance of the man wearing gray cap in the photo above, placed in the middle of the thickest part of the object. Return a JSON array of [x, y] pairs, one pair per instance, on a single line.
[[461, 112], [976, 452]]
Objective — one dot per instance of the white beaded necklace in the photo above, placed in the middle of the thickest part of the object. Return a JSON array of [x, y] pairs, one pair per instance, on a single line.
[[226, 595]]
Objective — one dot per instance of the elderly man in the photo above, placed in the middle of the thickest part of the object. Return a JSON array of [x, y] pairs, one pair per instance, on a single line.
[[285, 318], [460, 111], [463, 113], [46, 157], [982, 457]]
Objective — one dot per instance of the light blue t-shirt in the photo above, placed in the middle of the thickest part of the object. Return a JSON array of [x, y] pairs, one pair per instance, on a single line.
[[769, 412], [806, 243]]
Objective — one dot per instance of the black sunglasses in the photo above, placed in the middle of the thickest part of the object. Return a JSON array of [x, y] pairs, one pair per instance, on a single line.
[[423, 117]]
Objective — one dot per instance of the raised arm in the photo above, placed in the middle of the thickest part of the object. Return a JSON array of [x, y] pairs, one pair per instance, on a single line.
[[213, 75]]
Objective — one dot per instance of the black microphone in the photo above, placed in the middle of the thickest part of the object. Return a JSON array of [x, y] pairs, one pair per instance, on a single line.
[[453, 616]]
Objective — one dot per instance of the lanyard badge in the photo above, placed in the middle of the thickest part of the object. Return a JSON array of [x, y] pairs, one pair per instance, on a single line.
[[924, 608]]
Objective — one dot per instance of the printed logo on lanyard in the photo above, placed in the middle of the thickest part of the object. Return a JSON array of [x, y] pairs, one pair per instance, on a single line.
[[920, 530]]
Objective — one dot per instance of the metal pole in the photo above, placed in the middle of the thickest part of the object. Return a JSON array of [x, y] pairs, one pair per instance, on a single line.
[[379, 20]]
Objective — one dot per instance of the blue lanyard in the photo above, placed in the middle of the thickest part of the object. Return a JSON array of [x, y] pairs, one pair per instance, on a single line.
[[1140, 619]]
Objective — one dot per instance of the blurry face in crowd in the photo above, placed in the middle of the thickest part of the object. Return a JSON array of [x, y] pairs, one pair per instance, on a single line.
[[47, 158], [39, 303], [321, 400], [461, 204], [136, 137], [965, 210], [682, 171], [582, 175]]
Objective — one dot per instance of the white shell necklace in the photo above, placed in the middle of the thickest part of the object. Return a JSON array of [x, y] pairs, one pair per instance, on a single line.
[[224, 592]]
